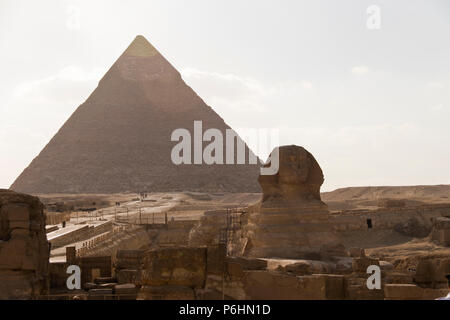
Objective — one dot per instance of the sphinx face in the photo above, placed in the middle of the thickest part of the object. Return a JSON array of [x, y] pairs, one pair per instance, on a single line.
[[299, 176]]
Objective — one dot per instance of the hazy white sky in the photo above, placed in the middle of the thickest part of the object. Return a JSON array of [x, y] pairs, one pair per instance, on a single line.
[[372, 105]]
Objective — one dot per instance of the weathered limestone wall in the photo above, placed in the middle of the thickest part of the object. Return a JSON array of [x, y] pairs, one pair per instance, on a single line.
[[207, 273], [24, 250], [273, 285], [176, 233], [412, 292], [441, 231], [56, 217], [173, 273], [213, 224], [207, 231], [390, 226], [431, 271], [413, 221]]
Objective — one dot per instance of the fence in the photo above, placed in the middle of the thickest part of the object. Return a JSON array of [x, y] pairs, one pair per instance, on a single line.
[[233, 223], [159, 218]]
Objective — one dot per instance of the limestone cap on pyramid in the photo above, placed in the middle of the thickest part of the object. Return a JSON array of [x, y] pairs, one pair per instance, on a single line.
[[140, 47]]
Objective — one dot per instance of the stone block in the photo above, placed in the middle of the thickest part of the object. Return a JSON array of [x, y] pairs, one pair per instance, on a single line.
[[24, 254], [20, 233], [235, 269], [385, 265], [110, 285], [356, 252], [403, 292], [101, 294], [361, 292], [180, 266], [393, 277], [12, 254], [129, 259], [312, 287], [210, 294], [334, 286], [126, 291], [270, 285], [16, 212], [306, 267], [19, 224], [90, 285], [130, 254], [103, 280], [128, 276], [344, 265], [431, 271], [361, 264], [444, 238], [215, 259], [15, 285], [432, 294], [249, 263], [166, 293]]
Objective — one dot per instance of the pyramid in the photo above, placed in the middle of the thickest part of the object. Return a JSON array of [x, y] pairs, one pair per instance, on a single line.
[[119, 139]]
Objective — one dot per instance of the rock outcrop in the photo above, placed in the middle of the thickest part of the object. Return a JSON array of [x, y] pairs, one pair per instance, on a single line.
[[24, 250], [441, 231], [292, 221]]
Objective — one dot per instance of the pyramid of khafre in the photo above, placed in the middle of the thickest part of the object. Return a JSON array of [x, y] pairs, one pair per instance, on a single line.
[[119, 139]]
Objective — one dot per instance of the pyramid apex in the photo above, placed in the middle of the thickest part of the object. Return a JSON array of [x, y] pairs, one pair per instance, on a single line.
[[140, 47]]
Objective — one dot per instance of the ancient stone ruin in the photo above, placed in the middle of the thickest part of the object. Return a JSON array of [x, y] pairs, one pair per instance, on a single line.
[[202, 231], [24, 250], [292, 221], [283, 244], [119, 139]]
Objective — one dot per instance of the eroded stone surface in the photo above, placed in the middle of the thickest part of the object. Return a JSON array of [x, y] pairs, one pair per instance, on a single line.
[[175, 266], [24, 250], [291, 221], [299, 177]]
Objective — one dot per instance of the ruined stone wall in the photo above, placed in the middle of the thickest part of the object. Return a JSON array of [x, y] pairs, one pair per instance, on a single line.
[[410, 221], [24, 250], [206, 273], [176, 233], [441, 231], [56, 217], [207, 231]]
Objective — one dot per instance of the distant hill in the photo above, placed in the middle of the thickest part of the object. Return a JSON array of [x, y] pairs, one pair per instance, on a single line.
[[366, 197]]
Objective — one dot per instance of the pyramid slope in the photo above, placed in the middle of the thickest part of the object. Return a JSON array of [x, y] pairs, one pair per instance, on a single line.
[[118, 140]]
